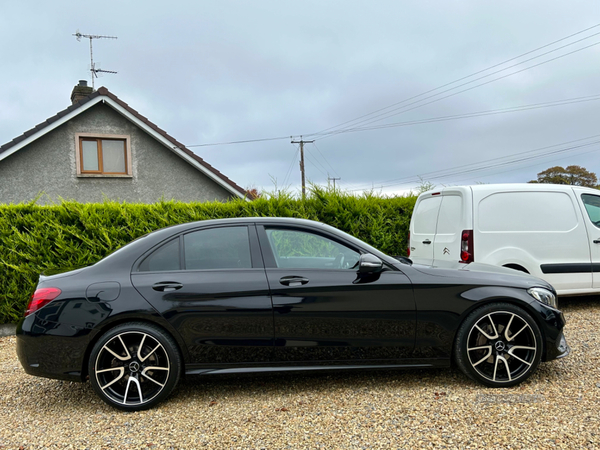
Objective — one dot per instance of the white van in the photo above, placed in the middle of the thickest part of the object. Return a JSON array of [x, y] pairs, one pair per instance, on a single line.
[[548, 230]]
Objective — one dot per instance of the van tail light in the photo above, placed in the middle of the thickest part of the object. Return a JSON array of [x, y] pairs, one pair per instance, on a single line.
[[40, 298], [467, 254], [408, 246]]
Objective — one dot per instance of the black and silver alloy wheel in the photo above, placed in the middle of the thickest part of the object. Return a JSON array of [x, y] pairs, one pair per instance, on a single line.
[[498, 345], [134, 366]]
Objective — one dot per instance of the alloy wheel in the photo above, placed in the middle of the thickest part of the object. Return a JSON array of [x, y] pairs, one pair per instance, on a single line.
[[132, 368], [502, 347]]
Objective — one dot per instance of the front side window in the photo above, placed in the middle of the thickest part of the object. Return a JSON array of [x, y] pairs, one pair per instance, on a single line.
[[304, 250], [217, 248], [592, 206], [103, 156]]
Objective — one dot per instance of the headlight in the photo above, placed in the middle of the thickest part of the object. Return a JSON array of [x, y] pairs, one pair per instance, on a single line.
[[544, 296]]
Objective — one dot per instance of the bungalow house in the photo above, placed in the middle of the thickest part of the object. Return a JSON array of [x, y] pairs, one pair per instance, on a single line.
[[99, 148]]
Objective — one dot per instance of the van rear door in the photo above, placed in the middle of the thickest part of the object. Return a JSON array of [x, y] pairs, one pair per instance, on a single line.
[[446, 245], [423, 227]]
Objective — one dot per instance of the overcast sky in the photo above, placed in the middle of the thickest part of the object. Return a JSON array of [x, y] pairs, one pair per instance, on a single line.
[[223, 71]]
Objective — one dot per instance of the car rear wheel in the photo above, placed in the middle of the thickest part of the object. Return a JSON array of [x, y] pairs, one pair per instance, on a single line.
[[134, 366], [499, 345]]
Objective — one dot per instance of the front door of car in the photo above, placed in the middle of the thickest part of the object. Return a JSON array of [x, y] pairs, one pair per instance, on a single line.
[[211, 286], [324, 311]]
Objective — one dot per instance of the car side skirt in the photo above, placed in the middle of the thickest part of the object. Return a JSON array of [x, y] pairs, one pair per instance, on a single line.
[[194, 369]]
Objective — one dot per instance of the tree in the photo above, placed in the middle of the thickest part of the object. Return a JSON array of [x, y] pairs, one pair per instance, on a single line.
[[253, 193], [573, 175]]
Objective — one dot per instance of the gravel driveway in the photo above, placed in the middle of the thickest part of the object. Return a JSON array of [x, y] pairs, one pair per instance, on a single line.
[[558, 407]]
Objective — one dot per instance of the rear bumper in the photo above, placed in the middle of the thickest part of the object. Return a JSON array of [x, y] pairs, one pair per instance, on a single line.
[[51, 350]]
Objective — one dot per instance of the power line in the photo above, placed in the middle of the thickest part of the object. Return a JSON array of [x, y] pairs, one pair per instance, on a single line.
[[532, 106], [528, 165], [309, 159], [240, 142], [289, 171], [474, 167], [325, 159], [324, 171], [457, 80], [333, 133], [480, 113]]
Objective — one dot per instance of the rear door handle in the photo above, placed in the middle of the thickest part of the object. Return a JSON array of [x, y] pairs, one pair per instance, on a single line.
[[596, 241], [293, 281], [167, 286], [426, 241]]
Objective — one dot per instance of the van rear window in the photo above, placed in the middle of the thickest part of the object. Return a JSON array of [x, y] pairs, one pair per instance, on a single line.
[[426, 215], [449, 220], [527, 212]]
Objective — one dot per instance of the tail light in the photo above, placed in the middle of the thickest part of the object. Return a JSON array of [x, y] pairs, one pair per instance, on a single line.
[[467, 253], [408, 246], [40, 298]]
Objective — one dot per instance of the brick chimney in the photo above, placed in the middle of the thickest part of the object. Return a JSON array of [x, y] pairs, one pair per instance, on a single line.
[[81, 91]]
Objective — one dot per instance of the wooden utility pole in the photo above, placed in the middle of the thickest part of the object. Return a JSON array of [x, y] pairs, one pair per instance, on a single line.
[[301, 142], [333, 178]]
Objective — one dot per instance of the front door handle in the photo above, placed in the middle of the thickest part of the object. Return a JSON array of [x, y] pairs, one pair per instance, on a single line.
[[167, 286], [596, 241], [426, 241], [293, 281]]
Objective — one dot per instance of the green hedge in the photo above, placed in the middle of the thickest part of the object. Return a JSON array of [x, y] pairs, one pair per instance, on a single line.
[[36, 238]]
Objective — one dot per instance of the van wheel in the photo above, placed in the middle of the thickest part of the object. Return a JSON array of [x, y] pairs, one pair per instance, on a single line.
[[134, 366], [498, 345]]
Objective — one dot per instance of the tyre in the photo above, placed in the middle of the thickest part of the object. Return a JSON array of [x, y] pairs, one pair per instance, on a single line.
[[134, 366], [499, 345]]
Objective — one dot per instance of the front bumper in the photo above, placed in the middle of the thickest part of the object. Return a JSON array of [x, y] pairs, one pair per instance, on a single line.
[[556, 343]]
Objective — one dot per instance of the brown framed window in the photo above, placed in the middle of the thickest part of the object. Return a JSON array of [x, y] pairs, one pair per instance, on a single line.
[[103, 156]]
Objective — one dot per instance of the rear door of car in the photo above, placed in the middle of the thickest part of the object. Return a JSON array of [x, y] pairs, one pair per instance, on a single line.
[[323, 311], [210, 284]]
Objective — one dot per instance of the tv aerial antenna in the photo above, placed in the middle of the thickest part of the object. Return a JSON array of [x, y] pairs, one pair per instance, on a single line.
[[93, 69]]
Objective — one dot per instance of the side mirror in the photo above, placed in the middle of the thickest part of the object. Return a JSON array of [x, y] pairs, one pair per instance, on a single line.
[[369, 263]]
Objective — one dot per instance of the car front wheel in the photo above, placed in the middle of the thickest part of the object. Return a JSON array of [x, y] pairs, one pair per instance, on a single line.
[[134, 366], [499, 345]]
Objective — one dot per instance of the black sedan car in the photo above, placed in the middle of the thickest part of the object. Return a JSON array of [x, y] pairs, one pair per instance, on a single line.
[[273, 294]]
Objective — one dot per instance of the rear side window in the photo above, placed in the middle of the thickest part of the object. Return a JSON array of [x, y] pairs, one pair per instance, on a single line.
[[592, 206], [425, 216], [217, 248], [163, 259], [527, 212]]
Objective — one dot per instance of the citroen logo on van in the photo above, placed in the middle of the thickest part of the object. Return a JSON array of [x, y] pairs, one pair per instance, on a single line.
[[446, 251]]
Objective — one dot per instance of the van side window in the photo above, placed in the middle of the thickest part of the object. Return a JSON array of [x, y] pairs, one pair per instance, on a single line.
[[426, 219], [592, 206]]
